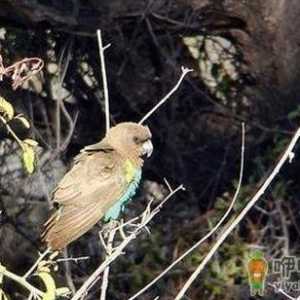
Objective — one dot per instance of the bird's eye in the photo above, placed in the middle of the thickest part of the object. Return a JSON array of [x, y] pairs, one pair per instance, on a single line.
[[136, 140]]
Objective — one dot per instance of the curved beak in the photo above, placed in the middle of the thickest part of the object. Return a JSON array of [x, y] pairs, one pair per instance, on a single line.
[[147, 148]]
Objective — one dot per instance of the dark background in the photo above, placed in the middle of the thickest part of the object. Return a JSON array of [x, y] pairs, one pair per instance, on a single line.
[[196, 136]]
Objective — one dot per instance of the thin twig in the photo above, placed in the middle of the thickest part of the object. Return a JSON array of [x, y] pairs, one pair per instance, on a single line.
[[171, 92], [35, 265], [58, 123], [285, 157], [107, 123], [168, 184], [8, 128], [119, 250], [21, 280], [109, 249], [211, 232], [282, 292], [72, 125], [104, 79], [68, 272], [73, 259]]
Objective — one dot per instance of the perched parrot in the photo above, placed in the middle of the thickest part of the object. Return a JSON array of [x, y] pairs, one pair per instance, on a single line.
[[103, 179]]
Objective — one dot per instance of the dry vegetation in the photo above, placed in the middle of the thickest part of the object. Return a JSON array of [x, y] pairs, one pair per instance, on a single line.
[[196, 135]]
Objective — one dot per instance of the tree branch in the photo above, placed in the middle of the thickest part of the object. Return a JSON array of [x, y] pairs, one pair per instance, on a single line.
[[287, 156], [145, 218], [171, 92], [174, 263], [104, 79], [21, 280]]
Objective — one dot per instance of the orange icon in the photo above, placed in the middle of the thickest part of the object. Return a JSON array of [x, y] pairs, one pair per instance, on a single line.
[[257, 272]]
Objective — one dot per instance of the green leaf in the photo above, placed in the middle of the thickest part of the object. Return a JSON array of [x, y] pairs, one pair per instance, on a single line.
[[28, 157], [6, 109]]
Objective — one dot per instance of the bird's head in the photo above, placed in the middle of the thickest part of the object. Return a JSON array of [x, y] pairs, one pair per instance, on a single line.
[[131, 140]]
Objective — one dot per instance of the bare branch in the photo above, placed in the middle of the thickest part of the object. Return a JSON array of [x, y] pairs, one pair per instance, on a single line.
[[22, 281], [285, 157], [163, 100], [145, 219], [35, 265], [68, 271], [73, 259], [109, 249], [210, 233], [104, 79], [282, 292], [9, 129]]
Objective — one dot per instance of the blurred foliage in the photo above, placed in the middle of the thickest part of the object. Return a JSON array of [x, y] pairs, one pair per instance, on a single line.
[[227, 270], [28, 146], [218, 64], [197, 143]]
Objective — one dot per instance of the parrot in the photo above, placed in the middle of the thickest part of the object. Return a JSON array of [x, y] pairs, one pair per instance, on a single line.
[[103, 178]]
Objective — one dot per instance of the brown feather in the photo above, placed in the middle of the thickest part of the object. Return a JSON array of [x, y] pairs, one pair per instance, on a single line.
[[96, 181], [81, 210]]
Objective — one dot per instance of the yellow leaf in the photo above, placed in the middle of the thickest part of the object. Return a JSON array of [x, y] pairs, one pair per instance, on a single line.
[[28, 158], [30, 142], [44, 266], [53, 255], [23, 120], [50, 285], [63, 292], [6, 109]]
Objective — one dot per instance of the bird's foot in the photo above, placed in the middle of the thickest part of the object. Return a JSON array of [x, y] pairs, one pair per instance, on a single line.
[[107, 234], [110, 226]]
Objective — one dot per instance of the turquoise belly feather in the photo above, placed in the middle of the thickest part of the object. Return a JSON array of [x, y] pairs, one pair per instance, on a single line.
[[114, 212]]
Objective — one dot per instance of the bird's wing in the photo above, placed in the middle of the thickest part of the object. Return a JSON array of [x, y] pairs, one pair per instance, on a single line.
[[87, 191]]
